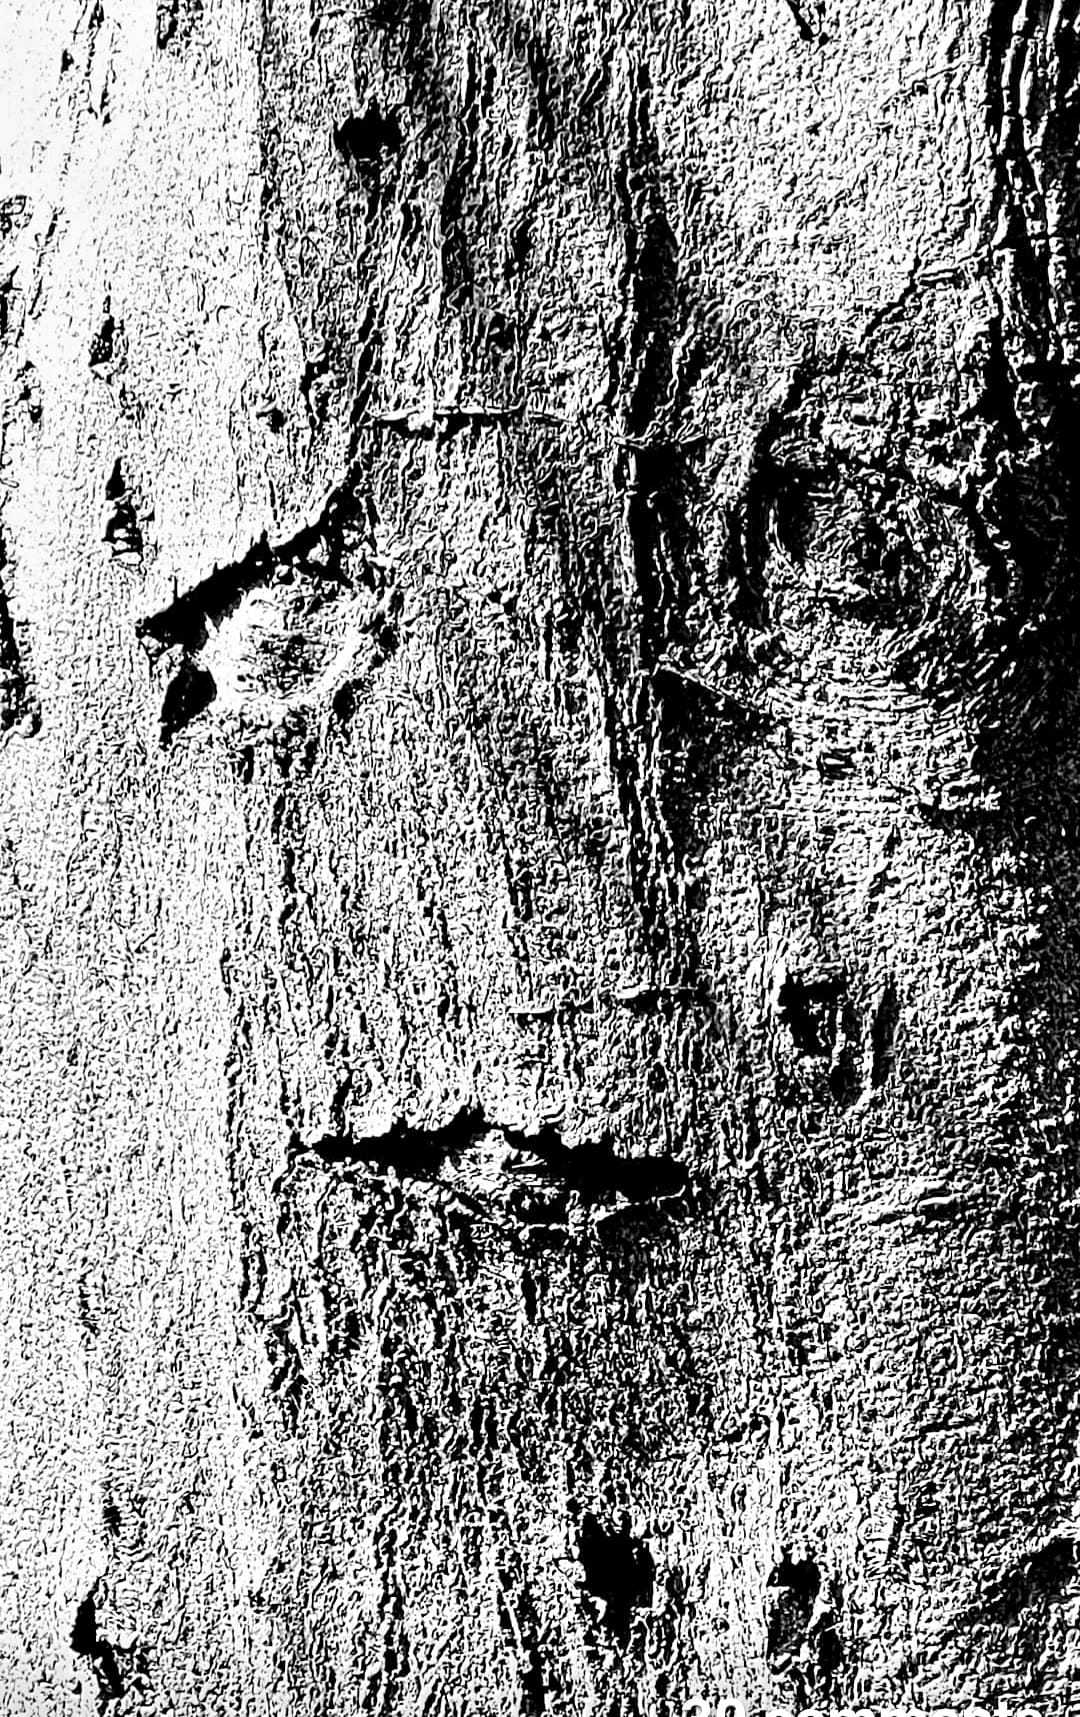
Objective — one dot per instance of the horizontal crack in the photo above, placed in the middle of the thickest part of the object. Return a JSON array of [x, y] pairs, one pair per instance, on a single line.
[[470, 1153]]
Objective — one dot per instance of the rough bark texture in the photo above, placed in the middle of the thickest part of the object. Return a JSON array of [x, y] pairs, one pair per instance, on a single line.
[[539, 856]]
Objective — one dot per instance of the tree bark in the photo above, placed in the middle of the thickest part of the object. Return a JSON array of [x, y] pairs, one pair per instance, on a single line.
[[539, 857]]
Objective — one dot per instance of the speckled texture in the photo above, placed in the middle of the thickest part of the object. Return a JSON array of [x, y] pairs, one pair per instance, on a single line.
[[538, 857]]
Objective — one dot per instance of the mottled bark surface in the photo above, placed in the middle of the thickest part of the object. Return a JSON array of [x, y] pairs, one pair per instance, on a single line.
[[539, 856]]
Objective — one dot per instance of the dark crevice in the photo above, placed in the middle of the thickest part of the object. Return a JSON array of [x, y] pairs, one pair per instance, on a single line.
[[29, 393], [315, 370], [808, 30], [183, 622], [618, 1570], [168, 14], [365, 139], [595, 1172], [1030, 501], [122, 530], [844, 1076], [368, 362], [642, 348], [19, 706], [883, 1035], [542, 107], [802, 1627], [410, 49], [309, 574], [11, 308], [103, 344], [188, 695], [809, 1009], [86, 1641], [457, 266], [518, 1617], [704, 729], [652, 475], [751, 515]]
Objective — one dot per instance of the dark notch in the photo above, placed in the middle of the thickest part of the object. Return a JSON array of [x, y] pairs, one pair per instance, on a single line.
[[10, 307], [594, 1171], [619, 1571], [103, 346], [122, 532], [751, 517], [86, 1641], [802, 1638], [454, 248], [18, 703], [809, 1010], [415, 1151], [188, 695], [320, 566], [366, 138], [545, 90], [883, 1035], [642, 349], [803, 24], [183, 621]]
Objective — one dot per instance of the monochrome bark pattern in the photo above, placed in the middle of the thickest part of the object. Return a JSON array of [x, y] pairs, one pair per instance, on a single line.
[[540, 864]]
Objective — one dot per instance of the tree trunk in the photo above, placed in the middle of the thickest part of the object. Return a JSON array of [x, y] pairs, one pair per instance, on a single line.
[[539, 857]]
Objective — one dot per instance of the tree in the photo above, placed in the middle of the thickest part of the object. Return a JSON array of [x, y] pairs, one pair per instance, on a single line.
[[540, 856]]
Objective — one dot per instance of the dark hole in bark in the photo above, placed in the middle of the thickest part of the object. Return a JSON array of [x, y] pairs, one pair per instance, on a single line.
[[793, 1589], [596, 1172], [844, 1082], [17, 702], [502, 332], [9, 302], [122, 531], [792, 510], [883, 1035], [84, 1637], [365, 137], [803, 1639], [344, 702], [530, 1299], [190, 693], [101, 346], [542, 107], [808, 1009], [315, 370], [86, 1641], [618, 1569]]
